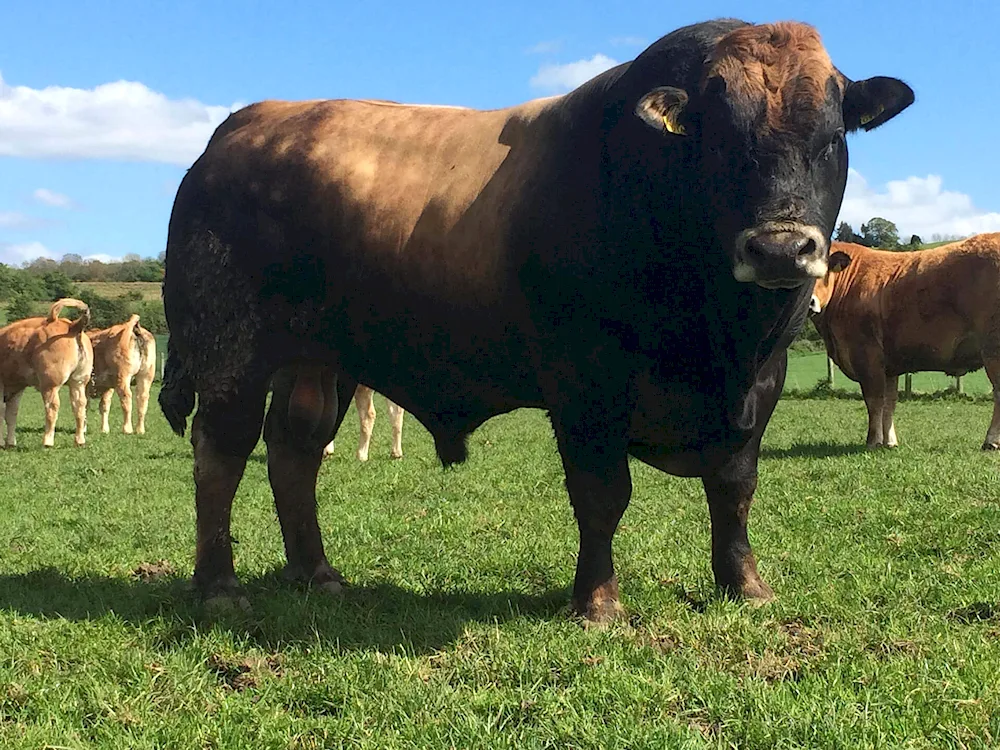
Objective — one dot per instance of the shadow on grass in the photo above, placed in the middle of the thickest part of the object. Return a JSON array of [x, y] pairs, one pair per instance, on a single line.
[[382, 616], [813, 450]]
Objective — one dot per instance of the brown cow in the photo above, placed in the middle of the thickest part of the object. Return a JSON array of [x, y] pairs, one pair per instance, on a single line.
[[47, 353], [123, 352], [633, 257], [883, 314], [365, 402]]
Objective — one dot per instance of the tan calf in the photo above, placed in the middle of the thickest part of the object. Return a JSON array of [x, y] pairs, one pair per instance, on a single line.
[[883, 314], [363, 399], [47, 353], [123, 352]]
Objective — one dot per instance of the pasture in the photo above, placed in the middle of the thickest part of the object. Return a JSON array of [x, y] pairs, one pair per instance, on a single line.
[[885, 631]]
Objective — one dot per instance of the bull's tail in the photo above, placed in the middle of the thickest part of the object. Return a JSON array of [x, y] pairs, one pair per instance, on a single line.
[[78, 325], [177, 394]]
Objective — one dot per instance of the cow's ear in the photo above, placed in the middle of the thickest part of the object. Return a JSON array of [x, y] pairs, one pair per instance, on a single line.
[[663, 109], [874, 101], [838, 261]]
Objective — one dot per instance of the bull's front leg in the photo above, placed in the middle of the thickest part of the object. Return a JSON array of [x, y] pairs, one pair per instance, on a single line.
[[593, 443], [730, 494]]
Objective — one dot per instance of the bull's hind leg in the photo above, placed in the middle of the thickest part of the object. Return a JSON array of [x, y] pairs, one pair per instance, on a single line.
[[991, 361], [307, 407], [78, 401], [11, 403], [364, 399], [143, 383], [124, 391], [105, 409], [50, 397], [396, 413], [889, 438], [223, 434]]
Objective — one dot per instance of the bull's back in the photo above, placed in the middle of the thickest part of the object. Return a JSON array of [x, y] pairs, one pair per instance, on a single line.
[[418, 193], [393, 223]]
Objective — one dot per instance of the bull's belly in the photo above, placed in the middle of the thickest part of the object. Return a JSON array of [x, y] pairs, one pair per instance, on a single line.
[[950, 357], [676, 428]]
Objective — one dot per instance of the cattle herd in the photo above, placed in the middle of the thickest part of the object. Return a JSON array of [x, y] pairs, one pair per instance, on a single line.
[[634, 257]]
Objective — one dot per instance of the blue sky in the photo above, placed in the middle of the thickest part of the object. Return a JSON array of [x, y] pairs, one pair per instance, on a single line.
[[103, 105]]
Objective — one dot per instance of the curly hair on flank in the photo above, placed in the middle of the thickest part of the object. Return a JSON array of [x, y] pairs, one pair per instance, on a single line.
[[783, 64]]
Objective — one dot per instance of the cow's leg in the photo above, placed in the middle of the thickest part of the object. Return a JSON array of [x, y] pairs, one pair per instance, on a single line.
[[593, 443], [888, 410], [873, 390], [991, 361], [730, 493], [105, 409], [223, 434], [78, 401], [307, 407], [364, 400], [50, 398], [328, 449], [11, 404], [143, 384], [396, 413], [124, 391]]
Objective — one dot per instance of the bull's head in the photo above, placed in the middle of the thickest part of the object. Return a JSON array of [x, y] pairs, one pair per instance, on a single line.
[[768, 124], [823, 290]]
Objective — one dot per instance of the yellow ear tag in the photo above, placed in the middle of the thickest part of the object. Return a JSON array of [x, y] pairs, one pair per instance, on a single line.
[[672, 127], [865, 119]]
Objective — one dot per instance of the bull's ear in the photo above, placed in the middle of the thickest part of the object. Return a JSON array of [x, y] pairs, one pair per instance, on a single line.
[[663, 109], [838, 262], [873, 101]]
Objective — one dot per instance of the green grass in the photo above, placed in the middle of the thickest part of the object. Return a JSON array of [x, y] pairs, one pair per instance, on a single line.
[[806, 370], [885, 632], [150, 290]]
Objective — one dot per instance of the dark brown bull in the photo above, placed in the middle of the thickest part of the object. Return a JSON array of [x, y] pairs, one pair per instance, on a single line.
[[633, 257], [883, 314]]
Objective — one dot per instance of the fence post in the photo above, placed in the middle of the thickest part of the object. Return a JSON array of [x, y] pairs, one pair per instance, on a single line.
[[163, 365], [958, 384], [829, 371], [908, 384]]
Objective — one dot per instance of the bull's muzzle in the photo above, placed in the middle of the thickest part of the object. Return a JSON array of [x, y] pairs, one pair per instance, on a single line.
[[781, 256]]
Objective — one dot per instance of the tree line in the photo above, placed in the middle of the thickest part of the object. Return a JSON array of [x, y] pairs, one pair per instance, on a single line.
[[28, 290], [882, 233]]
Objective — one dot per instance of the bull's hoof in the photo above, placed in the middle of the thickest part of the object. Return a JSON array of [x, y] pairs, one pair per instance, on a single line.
[[599, 613], [325, 579], [222, 605], [991, 446], [395, 456], [752, 590], [330, 588]]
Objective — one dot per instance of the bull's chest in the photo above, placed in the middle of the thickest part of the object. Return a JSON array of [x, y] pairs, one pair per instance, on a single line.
[[679, 426]]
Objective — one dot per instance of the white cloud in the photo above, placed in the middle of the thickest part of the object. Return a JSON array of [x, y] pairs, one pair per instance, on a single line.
[[121, 120], [916, 205], [14, 254], [52, 198], [561, 78], [547, 47]]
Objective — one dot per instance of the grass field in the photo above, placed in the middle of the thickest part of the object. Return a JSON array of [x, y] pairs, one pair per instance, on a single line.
[[150, 290], [885, 632]]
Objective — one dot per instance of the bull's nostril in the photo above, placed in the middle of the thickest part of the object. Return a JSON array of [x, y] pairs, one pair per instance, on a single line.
[[808, 248]]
